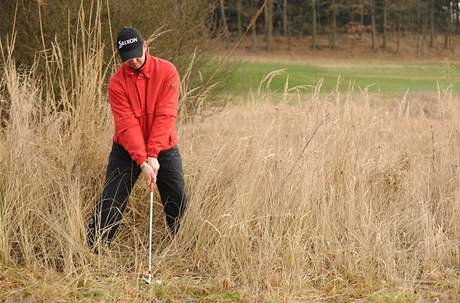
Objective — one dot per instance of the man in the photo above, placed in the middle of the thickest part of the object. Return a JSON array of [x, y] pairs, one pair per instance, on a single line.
[[143, 95]]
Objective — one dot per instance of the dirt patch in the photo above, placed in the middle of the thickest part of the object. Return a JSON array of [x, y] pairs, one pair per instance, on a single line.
[[297, 49]]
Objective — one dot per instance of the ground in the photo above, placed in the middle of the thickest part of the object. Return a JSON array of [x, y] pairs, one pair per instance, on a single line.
[[22, 285]]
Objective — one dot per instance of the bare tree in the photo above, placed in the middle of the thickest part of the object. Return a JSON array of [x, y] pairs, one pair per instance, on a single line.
[[224, 20], [285, 18], [374, 29], [432, 24], [334, 24], [254, 27], [398, 29], [424, 25], [238, 17], [385, 24], [457, 16], [447, 15], [269, 24], [387, 21], [313, 25]]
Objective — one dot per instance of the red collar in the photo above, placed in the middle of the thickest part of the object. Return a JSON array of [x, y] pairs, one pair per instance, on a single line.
[[146, 70]]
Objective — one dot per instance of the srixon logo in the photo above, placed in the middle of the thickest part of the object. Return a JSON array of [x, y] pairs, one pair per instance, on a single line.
[[126, 42]]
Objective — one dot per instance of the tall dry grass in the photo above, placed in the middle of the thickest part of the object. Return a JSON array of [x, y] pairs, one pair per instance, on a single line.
[[346, 193], [48, 155], [373, 199]]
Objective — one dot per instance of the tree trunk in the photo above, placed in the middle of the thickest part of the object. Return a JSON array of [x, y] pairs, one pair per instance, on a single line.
[[404, 22], [238, 17], [384, 40], [418, 45], [334, 23], [266, 23], [457, 19], [269, 24], [254, 29], [432, 32], [318, 16], [285, 21], [424, 27], [398, 32], [285, 18], [253, 38], [447, 32], [224, 20], [374, 29], [313, 24], [417, 19]]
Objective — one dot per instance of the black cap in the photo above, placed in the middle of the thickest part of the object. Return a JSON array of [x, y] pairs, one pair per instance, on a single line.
[[130, 44]]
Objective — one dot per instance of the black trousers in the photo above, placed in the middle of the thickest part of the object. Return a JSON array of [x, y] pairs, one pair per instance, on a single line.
[[122, 173]]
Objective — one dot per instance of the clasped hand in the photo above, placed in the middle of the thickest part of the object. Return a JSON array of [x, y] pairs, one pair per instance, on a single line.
[[150, 172]]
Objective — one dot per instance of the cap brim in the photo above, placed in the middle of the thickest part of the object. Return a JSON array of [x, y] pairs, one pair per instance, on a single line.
[[132, 53]]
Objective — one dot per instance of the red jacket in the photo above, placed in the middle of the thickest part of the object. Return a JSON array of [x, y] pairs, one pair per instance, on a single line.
[[144, 106]]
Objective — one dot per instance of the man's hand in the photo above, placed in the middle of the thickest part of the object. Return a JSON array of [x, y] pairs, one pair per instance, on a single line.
[[149, 175], [153, 162]]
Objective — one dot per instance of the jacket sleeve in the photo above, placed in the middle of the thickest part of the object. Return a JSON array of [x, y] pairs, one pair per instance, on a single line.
[[128, 132], [164, 119]]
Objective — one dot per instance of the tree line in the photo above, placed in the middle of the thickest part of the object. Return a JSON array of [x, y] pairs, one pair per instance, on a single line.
[[425, 20]]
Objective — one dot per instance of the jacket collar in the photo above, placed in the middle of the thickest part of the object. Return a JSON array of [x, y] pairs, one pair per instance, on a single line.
[[146, 70]]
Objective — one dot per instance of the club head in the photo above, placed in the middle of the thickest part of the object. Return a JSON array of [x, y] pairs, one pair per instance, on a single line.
[[147, 280], [150, 281]]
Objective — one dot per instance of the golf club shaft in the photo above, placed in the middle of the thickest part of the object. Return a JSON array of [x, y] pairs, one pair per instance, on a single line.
[[150, 236]]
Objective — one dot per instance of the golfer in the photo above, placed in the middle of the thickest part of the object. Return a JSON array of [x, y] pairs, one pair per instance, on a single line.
[[143, 94]]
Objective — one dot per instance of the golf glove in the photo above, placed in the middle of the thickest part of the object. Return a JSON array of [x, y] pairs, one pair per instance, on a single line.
[[149, 175], [153, 162]]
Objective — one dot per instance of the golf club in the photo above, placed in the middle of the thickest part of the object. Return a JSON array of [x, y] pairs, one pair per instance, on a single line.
[[149, 279]]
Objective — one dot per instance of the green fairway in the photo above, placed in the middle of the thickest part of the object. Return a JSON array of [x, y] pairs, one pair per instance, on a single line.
[[383, 77]]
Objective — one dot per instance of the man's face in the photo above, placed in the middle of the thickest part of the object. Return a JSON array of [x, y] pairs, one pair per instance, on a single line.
[[136, 63]]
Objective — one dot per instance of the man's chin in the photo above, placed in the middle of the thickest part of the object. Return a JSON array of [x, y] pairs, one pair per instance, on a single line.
[[134, 66]]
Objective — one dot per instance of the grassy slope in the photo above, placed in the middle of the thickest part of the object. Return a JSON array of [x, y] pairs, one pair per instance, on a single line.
[[381, 77]]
